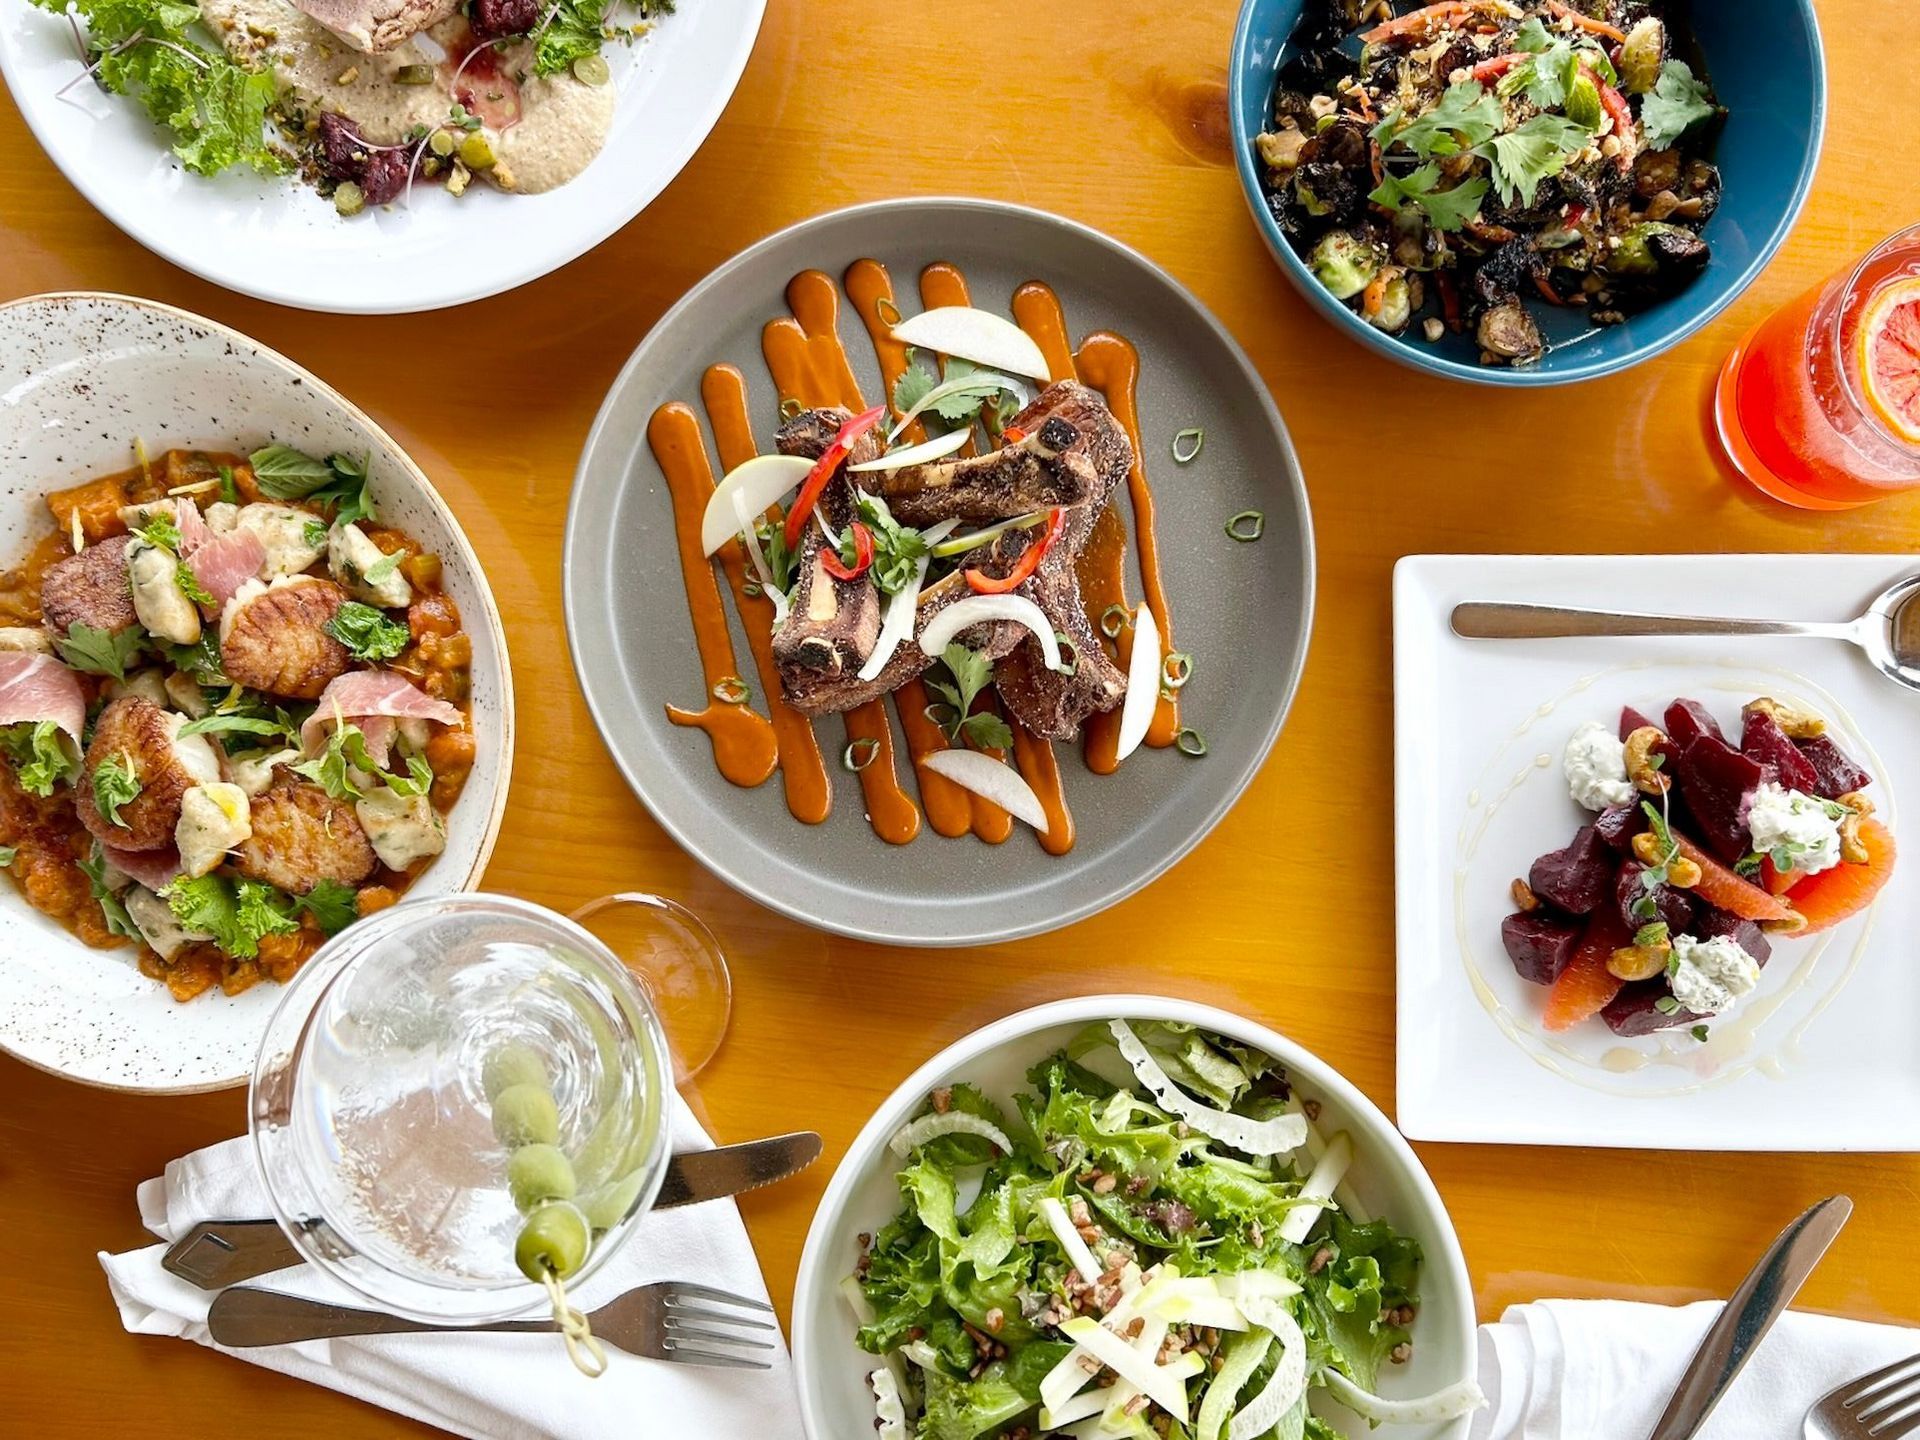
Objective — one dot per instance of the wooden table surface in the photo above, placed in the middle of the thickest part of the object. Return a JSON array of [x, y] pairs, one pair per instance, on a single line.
[[1121, 125]]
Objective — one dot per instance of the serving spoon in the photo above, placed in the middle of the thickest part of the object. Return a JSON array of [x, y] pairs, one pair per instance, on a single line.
[[1889, 631]]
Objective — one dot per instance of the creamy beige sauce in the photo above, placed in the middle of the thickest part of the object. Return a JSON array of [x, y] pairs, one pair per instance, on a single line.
[[561, 124]]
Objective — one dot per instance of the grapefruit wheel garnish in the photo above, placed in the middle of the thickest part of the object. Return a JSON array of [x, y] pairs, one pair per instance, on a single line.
[[1890, 357]]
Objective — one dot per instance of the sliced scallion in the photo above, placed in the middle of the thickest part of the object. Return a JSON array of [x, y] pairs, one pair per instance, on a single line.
[[1186, 445], [790, 408], [1247, 526], [732, 690], [1176, 669], [1115, 618], [888, 312], [860, 753], [1070, 654], [1190, 742]]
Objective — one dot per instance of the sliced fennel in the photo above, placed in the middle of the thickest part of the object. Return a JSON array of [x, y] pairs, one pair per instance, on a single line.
[[1289, 1381], [1328, 1171], [890, 1416], [749, 488], [1143, 682], [902, 608], [1243, 1358], [1070, 1239], [977, 609], [1160, 1383], [991, 780], [1254, 1137], [976, 335], [937, 448], [915, 1133], [1463, 1397], [979, 382]]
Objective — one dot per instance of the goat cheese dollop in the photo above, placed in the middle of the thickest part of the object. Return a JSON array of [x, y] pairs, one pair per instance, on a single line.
[[1803, 830], [1596, 766], [1710, 976]]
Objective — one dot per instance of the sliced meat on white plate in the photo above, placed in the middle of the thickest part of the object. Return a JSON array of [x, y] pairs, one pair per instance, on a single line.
[[36, 687], [359, 694], [155, 869], [226, 562]]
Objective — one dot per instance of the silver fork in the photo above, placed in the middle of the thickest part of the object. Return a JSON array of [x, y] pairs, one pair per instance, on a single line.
[[1884, 1405], [668, 1320]]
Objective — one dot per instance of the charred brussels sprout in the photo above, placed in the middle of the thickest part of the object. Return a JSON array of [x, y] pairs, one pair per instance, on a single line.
[[1344, 263], [1508, 332], [1641, 56], [1395, 309], [1667, 256]]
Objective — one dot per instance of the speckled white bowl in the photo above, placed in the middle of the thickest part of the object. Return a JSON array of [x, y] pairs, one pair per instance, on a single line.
[[80, 377]]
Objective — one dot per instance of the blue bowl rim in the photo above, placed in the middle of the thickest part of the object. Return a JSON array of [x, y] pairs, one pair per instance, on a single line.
[[1403, 352]]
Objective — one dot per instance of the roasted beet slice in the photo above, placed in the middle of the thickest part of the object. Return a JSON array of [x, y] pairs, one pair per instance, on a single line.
[[1632, 720], [1574, 879], [1716, 779], [1540, 945], [497, 19], [380, 172], [1636, 1010], [1673, 906], [1834, 774], [1764, 742], [1709, 922], [1619, 824], [1688, 720]]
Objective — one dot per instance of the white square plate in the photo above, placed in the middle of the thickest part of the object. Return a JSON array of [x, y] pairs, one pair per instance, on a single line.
[[1820, 1057]]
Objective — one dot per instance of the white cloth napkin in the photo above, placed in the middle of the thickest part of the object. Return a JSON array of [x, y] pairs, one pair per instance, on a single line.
[[489, 1387], [1605, 1370]]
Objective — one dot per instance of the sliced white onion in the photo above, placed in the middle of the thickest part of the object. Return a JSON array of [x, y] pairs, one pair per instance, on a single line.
[[890, 1416], [976, 335], [903, 608], [1165, 1385], [1070, 1240], [833, 538], [977, 609], [915, 1133], [937, 448], [1254, 1137], [750, 537], [1143, 682], [991, 780], [984, 381], [1289, 1382], [1463, 1397], [756, 483], [1327, 1173]]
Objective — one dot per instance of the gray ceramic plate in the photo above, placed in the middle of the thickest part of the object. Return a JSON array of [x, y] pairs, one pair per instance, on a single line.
[[1243, 611]]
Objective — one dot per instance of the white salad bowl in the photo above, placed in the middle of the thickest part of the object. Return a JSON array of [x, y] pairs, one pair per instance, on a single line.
[[1386, 1177], [81, 376]]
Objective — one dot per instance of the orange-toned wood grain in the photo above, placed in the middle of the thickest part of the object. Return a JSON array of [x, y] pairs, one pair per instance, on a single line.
[[1121, 124]]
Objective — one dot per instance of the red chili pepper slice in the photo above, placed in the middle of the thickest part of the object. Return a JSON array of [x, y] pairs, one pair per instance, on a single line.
[[862, 555], [1493, 67], [1013, 435], [824, 468], [983, 584], [1615, 104]]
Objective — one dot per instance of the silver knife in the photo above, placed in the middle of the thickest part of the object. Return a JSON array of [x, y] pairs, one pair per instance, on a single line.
[[1768, 1289], [218, 1253]]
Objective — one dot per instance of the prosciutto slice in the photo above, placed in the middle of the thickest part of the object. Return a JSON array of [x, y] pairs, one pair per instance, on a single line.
[[35, 687], [155, 869], [223, 563], [360, 694], [193, 528]]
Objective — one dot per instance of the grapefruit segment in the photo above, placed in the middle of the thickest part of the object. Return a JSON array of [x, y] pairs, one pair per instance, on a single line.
[[1844, 891], [1889, 357], [1586, 986], [1724, 890]]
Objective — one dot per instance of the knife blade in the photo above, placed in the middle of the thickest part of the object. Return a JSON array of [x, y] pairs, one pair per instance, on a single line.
[[1730, 1341], [218, 1253]]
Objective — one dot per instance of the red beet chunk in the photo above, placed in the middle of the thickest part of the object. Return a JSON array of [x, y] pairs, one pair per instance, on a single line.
[[497, 19], [1688, 720], [1636, 1010], [1619, 824], [1632, 720], [1834, 774], [1709, 922], [1715, 780], [1575, 879], [1539, 945], [1764, 742], [1675, 907]]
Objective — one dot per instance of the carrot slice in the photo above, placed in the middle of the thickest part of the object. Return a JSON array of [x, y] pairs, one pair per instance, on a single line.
[[1586, 985], [1721, 888], [1844, 891]]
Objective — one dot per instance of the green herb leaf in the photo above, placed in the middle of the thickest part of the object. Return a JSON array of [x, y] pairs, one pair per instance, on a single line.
[[1678, 103], [315, 534], [972, 672], [99, 652], [1699, 1032], [417, 781], [1447, 210], [7, 852], [285, 473], [190, 585], [201, 660], [346, 494], [94, 867], [1466, 116], [237, 916], [577, 28], [367, 633], [1534, 152], [897, 549], [780, 558], [115, 784], [987, 731], [330, 903], [160, 531], [381, 569], [1533, 37], [1748, 865], [229, 489], [1650, 935], [43, 755], [228, 724]]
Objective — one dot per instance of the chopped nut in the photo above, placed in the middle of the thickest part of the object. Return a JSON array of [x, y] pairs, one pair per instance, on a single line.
[[1319, 1261], [1135, 1326], [1646, 848], [1857, 801], [1523, 896], [1794, 724], [347, 76], [1401, 1353], [1853, 850], [1104, 1185], [942, 1100], [1610, 147], [1432, 328], [1644, 761], [1682, 873], [1662, 205]]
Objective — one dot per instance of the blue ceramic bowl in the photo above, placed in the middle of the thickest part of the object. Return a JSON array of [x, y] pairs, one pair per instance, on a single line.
[[1765, 61]]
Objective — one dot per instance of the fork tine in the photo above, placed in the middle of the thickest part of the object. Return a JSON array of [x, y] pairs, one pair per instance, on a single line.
[[679, 1289], [1863, 1388], [684, 1356], [714, 1317], [1895, 1425], [681, 1333], [1896, 1396]]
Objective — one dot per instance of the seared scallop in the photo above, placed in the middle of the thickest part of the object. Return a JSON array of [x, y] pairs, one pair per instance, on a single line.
[[301, 836], [274, 637], [141, 741], [90, 588]]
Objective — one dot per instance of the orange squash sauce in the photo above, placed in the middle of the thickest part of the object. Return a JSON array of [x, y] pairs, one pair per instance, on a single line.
[[744, 746], [810, 365], [870, 292], [949, 807], [1040, 768], [803, 773]]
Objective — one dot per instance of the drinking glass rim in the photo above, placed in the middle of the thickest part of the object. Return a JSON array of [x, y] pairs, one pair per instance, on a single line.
[[656, 1057], [1908, 235]]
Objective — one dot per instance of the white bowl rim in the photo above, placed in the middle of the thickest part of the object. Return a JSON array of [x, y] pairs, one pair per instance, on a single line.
[[464, 553], [816, 1268]]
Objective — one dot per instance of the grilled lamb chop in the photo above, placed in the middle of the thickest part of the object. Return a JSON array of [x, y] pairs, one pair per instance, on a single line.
[[1070, 444]]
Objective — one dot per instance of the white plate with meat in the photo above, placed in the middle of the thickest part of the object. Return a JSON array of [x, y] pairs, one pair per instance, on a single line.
[[252, 686], [373, 158]]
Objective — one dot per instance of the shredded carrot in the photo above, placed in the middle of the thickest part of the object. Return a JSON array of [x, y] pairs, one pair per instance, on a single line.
[[1428, 19], [1374, 296], [1586, 22]]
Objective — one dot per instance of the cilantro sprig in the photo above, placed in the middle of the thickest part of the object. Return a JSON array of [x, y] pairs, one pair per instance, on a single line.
[[897, 549], [1446, 210], [970, 672], [1677, 103]]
